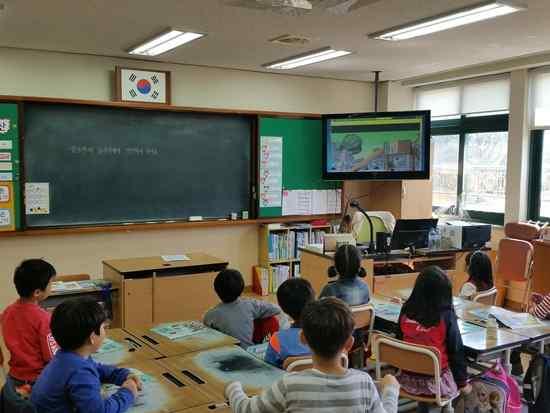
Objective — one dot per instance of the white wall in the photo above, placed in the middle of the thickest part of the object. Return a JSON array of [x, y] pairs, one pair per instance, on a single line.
[[33, 73]]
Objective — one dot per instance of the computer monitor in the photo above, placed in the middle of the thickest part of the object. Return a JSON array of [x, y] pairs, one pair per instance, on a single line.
[[412, 233]]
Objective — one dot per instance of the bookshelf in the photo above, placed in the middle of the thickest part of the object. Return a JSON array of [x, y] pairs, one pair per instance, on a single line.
[[279, 248]]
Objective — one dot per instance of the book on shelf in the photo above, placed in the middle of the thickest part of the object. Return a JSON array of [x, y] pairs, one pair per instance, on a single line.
[[260, 280], [278, 275], [280, 246]]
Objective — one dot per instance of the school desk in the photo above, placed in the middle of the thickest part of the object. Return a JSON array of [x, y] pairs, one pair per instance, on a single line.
[[538, 335], [155, 291], [476, 344], [209, 408], [403, 269], [209, 338], [165, 391], [101, 291], [220, 366], [121, 347]]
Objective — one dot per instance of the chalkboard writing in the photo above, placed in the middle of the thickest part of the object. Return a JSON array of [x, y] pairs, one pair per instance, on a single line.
[[116, 165]]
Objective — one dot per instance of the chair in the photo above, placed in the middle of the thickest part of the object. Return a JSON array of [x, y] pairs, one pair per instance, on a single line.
[[2, 371], [415, 359], [301, 363], [363, 234], [72, 277], [363, 317], [488, 297], [515, 257]]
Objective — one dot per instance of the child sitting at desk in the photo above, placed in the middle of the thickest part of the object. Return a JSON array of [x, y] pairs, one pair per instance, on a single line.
[[349, 288], [235, 316], [26, 325], [292, 295], [328, 387], [428, 318], [480, 271], [72, 380], [540, 306]]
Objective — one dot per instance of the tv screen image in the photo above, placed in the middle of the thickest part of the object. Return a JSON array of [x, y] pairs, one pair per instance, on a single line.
[[390, 145]]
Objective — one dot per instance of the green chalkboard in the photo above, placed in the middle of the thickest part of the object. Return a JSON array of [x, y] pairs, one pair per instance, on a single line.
[[107, 165], [302, 155]]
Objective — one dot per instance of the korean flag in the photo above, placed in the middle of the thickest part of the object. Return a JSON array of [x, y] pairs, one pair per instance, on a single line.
[[143, 86]]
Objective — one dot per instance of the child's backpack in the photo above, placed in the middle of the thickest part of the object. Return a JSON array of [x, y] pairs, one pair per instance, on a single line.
[[493, 392], [536, 384]]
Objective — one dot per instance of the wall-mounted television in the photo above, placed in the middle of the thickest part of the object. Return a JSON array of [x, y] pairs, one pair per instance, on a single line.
[[382, 145]]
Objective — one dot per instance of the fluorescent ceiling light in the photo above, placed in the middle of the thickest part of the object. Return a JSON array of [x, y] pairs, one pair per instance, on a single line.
[[478, 12], [165, 42], [308, 58]]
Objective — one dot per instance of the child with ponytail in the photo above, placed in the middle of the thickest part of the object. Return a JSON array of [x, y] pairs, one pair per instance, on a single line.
[[349, 287]]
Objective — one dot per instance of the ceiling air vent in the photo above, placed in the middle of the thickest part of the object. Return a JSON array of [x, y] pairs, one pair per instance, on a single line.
[[290, 40]]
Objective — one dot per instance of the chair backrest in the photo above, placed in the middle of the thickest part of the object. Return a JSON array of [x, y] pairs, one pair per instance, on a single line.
[[522, 230], [514, 259], [488, 297], [300, 363], [2, 360], [409, 357], [363, 317], [72, 277]]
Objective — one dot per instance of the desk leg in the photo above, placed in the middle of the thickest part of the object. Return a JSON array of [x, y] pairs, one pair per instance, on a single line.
[[507, 364]]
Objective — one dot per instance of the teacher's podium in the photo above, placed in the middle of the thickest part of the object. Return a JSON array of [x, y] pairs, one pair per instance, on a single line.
[[155, 291]]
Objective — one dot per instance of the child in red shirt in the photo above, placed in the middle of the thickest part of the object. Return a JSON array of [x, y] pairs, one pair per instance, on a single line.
[[428, 318], [25, 325]]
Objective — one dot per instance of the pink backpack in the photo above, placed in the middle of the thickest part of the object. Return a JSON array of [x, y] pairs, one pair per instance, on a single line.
[[493, 391], [514, 395]]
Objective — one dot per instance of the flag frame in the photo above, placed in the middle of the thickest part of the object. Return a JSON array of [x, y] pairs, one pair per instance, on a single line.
[[120, 96]]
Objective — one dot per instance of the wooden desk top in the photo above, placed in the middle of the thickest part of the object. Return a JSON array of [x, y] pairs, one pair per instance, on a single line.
[[539, 333], [124, 349], [208, 408], [474, 337], [99, 285], [207, 339], [505, 339], [165, 391], [220, 366], [129, 265]]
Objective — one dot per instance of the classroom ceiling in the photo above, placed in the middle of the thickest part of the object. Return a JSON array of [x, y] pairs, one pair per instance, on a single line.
[[238, 37]]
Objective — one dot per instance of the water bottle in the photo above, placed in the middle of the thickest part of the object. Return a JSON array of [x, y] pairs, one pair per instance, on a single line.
[[492, 329], [437, 239], [431, 239]]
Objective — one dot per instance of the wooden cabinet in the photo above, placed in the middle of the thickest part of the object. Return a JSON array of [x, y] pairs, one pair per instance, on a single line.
[[138, 305], [155, 291]]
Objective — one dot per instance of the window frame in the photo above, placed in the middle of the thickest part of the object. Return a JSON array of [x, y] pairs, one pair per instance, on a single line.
[[535, 175], [463, 125]]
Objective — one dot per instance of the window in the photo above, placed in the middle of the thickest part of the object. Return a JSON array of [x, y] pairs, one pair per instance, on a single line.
[[539, 166], [539, 186], [445, 170], [485, 156], [469, 166], [470, 146]]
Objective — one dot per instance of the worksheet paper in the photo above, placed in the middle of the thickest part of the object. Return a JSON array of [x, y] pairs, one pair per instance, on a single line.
[[37, 198], [312, 202], [271, 171]]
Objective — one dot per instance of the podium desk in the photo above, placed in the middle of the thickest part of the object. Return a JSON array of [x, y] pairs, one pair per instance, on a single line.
[[155, 291]]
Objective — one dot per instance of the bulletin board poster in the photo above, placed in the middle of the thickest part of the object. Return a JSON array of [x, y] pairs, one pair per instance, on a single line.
[[10, 197]]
